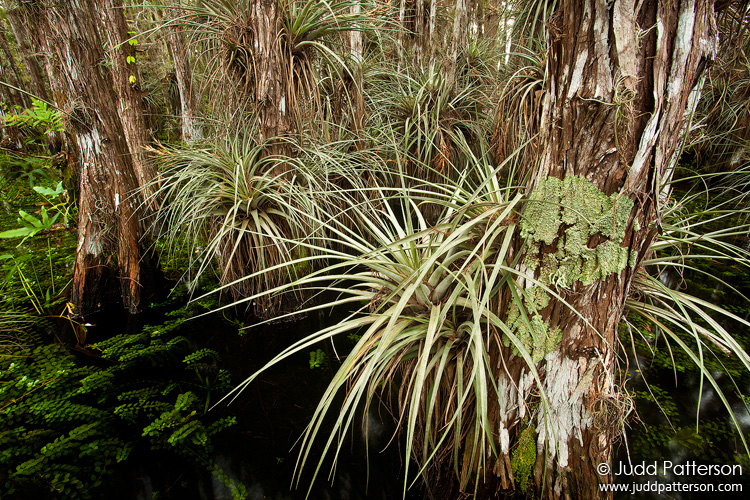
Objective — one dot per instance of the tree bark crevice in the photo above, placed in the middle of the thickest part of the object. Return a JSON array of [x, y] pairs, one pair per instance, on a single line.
[[110, 234], [615, 110]]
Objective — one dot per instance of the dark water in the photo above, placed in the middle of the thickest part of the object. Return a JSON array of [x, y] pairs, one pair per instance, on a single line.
[[274, 410], [272, 414], [672, 464], [678, 450]]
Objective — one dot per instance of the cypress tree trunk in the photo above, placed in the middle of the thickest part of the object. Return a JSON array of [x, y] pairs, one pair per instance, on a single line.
[[417, 21], [20, 26], [402, 13], [109, 226], [123, 59], [356, 51], [259, 69], [24, 22], [191, 127], [269, 95], [614, 115], [9, 73], [9, 96], [459, 37]]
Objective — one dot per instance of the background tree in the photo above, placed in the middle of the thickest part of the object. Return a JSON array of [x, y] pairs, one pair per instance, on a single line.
[[11, 74], [178, 48], [23, 19], [10, 94], [109, 207]]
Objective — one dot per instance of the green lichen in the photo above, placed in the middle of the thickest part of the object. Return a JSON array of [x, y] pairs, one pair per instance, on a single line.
[[535, 335], [523, 457], [568, 214], [541, 219], [583, 211]]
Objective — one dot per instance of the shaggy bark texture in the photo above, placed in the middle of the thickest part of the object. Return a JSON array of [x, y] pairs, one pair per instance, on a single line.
[[191, 126], [110, 236], [123, 59], [622, 81]]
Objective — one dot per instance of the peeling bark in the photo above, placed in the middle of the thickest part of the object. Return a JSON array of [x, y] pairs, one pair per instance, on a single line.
[[9, 96], [20, 25], [265, 18], [432, 35], [109, 208], [417, 31], [615, 111], [257, 56], [458, 40], [356, 47], [24, 21], [9, 73], [123, 60], [191, 126]]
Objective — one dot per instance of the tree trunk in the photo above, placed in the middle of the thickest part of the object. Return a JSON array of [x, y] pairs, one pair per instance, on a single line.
[[355, 36], [27, 50], [432, 36], [191, 127], [613, 119], [11, 74], [401, 34], [109, 207], [25, 21], [420, 32], [123, 61], [269, 95], [417, 31], [458, 39], [9, 96], [356, 48], [257, 61]]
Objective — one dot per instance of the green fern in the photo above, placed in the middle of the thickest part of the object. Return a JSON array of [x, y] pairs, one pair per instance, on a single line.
[[65, 425], [39, 116]]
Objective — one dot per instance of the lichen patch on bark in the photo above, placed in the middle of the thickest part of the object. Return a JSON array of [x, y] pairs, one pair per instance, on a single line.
[[535, 335], [571, 213]]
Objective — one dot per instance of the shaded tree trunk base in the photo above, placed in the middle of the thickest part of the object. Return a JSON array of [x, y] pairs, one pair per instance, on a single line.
[[101, 288]]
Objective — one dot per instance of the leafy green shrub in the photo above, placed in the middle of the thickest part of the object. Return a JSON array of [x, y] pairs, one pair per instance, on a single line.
[[40, 116], [318, 359], [54, 435], [32, 225], [65, 424]]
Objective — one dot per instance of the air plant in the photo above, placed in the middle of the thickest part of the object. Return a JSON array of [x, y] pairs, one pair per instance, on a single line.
[[269, 56], [432, 118], [518, 115], [720, 134], [410, 229], [699, 226], [424, 302], [226, 201]]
